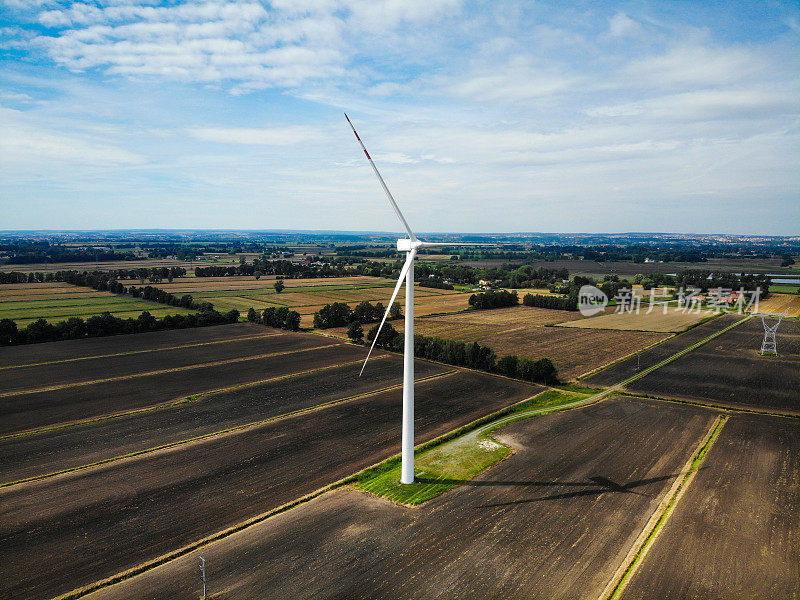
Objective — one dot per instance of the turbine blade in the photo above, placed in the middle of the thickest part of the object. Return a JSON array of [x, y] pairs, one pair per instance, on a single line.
[[383, 183], [403, 272]]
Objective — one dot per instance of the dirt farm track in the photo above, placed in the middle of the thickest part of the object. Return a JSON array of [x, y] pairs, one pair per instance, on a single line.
[[119, 452]]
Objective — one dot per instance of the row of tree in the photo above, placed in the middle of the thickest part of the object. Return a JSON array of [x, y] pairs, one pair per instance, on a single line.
[[552, 302], [60, 254], [280, 318], [104, 325], [154, 294], [714, 279], [494, 299], [153, 275], [339, 314], [471, 355], [285, 268]]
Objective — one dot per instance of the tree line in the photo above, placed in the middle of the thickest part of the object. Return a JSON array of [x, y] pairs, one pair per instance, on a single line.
[[58, 254], [552, 302], [494, 299], [104, 325], [470, 355], [151, 274], [339, 314], [705, 280], [280, 318]]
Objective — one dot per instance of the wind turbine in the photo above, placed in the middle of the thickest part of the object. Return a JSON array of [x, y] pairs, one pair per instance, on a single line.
[[410, 246]]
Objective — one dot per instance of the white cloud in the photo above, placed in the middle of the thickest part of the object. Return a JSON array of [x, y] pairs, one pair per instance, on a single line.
[[270, 136], [697, 66], [704, 105], [509, 109], [621, 25], [31, 144], [516, 80]]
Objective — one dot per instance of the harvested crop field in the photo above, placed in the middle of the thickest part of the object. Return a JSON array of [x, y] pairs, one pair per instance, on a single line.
[[736, 531], [140, 380], [69, 447], [778, 303], [673, 321], [523, 331], [626, 368], [554, 520], [730, 370], [105, 519], [306, 296], [24, 303], [573, 351], [78, 350]]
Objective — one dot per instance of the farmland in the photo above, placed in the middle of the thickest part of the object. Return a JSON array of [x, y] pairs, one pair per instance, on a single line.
[[574, 495], [674, 320], [307, 296], [623, 369], [778, 303], [164, 497], [121, 450], [55, 302], [740, 515], [525, 331], [730, 370]]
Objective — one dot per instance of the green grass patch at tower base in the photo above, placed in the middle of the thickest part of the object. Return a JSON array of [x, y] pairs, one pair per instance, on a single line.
[[455, 459]]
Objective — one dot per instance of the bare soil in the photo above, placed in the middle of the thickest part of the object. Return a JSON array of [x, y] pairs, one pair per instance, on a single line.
[[730, 370], [38, 409], [736, 532], [59, 449], [554, 520], [100, 521], [626, 368]]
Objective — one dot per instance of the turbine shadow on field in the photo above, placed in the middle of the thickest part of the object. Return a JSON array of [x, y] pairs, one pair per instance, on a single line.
[[596, 485]]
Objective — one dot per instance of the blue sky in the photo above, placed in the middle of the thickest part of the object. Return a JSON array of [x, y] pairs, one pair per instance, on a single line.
[[490, 116]]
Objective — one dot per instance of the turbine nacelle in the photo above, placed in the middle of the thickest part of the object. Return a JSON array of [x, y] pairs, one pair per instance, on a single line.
[[407, 245]]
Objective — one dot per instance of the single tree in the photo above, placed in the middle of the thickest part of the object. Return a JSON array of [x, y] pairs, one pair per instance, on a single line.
[[252, 315], [395, 312], [355, 332], [279, 286]]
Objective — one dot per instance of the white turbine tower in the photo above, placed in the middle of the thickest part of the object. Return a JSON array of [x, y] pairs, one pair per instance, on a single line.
[[410, 246]]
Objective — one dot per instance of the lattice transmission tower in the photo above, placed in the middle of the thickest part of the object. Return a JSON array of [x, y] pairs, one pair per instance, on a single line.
[[770, 345]]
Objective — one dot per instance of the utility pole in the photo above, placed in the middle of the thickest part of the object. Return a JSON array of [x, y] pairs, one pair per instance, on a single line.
[[203, 574]]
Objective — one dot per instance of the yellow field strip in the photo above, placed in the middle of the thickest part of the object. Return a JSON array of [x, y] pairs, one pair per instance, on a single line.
[[659, 517], [213, 434], [66, 360], [168, 404], [159, 372]]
